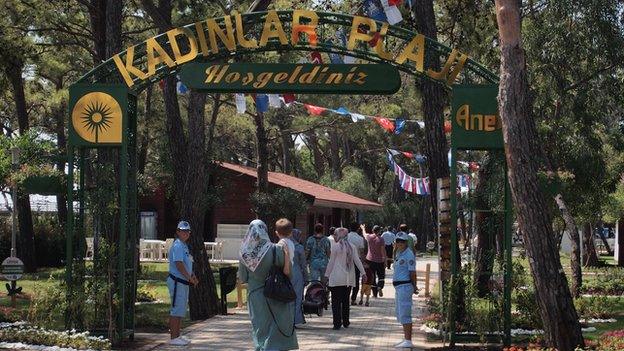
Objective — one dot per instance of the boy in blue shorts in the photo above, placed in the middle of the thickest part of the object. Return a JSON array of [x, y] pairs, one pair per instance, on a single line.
[[404, 281], [180, 278]]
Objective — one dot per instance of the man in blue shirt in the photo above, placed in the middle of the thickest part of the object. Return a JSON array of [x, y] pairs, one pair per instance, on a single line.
[[180, 277], [404, 281]]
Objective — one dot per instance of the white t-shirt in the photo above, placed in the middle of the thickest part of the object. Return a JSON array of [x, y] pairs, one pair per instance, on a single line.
[[414, 237]]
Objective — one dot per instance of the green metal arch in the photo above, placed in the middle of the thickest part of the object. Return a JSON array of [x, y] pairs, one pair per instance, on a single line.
[[473, 72]]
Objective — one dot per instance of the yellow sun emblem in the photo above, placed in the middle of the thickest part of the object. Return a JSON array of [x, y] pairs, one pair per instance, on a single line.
[[97, 118]]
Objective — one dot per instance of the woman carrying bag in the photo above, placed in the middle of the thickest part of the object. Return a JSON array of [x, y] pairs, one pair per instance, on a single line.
[[341, 274], [272, 320]]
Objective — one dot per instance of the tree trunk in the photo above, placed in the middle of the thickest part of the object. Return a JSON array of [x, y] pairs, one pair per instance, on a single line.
[[575, 255], [485, 231], [334, 151], [619, 243], [287, 146], [97, 16], [262, 154], [26, 236], [188, 159], [203, 298], [590, 259], [313, 145], [433, 101], [561, 326]]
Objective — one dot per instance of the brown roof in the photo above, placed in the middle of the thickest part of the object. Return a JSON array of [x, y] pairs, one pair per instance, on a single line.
[[323, 196]]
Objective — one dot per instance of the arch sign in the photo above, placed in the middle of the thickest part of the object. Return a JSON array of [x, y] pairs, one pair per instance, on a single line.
[[211, 37], [209, 55]]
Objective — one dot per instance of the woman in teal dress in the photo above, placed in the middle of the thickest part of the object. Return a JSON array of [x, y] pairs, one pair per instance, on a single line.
[[272, 322]]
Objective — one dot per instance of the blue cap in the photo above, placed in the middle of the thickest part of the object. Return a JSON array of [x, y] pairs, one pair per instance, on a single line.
[[401, 236], [184, 225]]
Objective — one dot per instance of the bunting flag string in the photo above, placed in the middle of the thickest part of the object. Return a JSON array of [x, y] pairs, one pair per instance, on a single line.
[[241, 103], [396, 126], [420, 186], [417, 157], [388, 124]]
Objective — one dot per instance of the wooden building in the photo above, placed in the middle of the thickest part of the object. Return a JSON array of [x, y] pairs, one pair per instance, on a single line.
[[227, 221]]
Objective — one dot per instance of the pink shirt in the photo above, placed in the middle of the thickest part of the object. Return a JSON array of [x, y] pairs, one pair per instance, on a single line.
[[376, 248]]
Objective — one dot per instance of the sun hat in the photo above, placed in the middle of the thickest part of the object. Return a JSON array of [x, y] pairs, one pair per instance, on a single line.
[[184, 225], [401, 236]]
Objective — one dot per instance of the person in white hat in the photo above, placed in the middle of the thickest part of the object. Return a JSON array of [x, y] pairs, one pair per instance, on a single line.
[[180, 278], [404, 281]]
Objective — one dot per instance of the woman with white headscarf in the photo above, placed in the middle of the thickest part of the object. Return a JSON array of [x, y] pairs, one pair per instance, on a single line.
[[272, 321], [341, 273]]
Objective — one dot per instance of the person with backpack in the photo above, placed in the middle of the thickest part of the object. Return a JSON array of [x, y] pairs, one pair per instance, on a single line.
[[318, 251], [272, 320]]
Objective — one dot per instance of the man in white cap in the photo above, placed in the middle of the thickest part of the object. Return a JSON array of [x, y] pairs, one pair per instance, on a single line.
[[404, 281], [180, 277]]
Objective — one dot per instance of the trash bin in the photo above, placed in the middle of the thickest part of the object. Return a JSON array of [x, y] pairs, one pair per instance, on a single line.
[[227, 280]]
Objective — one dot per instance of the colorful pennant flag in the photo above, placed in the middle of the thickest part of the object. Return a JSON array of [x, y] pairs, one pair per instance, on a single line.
[[289, 98], [373, 9], [419, 186], [315, 57], [335, 58], [399, 124], [181, 88], [393, 14], [342, 39], [262, 103], [315, 110], [241, 103], [385, 124], [274, 100], [341, 111], [395, 2], [356, 117]]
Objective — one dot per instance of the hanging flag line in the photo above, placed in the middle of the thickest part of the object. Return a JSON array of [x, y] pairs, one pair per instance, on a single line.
[[391, 125], [420, 186], [418, 157]]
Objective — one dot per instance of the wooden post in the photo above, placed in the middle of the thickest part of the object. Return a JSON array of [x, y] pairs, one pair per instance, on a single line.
[[427, 272]]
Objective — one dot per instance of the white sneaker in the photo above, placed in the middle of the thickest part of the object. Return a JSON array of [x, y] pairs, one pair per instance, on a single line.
[[178, 342], [400, 342], [406, 344], [185, 339]]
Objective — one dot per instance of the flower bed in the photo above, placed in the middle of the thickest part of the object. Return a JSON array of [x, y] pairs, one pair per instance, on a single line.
[[23, 333]]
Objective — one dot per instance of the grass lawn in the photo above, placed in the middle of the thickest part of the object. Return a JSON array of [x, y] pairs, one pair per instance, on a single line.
[[149, 317]]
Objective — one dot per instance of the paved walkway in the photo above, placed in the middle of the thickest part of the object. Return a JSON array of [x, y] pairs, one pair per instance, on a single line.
[[372, 328]]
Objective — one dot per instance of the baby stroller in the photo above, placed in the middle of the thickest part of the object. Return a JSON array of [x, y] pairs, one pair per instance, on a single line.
[[316, 298]]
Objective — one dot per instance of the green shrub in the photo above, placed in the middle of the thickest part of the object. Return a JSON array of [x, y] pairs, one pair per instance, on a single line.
[[596, 306], [48, 305], [8, 315], [608, 281], [145, 293], [527, 311]]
